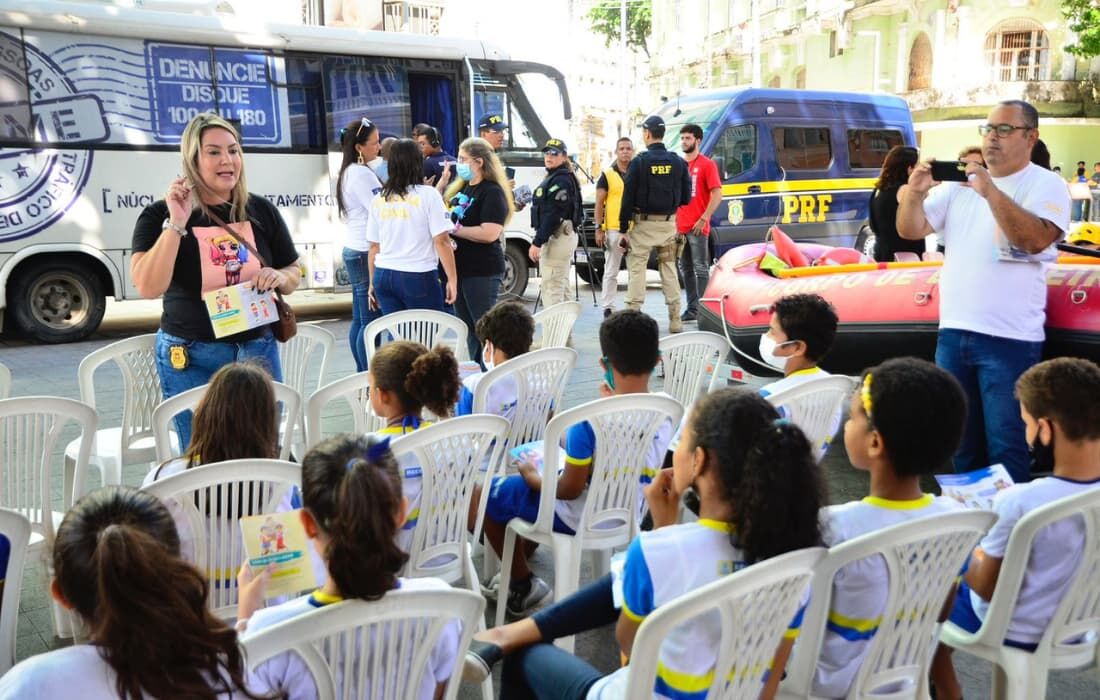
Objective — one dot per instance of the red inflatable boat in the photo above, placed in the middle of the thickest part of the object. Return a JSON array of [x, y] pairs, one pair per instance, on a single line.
[[886, 310]]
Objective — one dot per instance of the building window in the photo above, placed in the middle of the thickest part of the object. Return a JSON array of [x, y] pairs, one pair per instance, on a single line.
[[800, 78], [920, 63], [774, 82], [1017, 49]]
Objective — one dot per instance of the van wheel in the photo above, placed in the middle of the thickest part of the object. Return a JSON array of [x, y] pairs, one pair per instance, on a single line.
[[865, 241], [516, 268], [57, 302]]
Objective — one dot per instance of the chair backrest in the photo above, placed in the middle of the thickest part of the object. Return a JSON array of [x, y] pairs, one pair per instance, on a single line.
[[556, 323], [816, 406], [1079, 611], [922, 559], [354, 389], [291, 406], [539, 378], [755, 607], [400, 630], [450, 455], [141, 391], [691, 362], [5, 382], [296, 357], [625, 428], [30, 427], [17, 530], [429, 328], [212, 499]]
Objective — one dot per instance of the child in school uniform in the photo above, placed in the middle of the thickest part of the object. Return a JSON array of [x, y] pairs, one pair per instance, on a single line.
[[628, 341], [1060, 407], [904, 421], [352, 508], [505, 331], [405, 378], [117, 564]]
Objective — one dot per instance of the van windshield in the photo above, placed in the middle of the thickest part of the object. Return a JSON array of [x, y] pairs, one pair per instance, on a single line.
[[676, 113]]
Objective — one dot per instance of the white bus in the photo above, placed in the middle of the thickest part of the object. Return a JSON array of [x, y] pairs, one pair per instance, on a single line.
[[93, 100]]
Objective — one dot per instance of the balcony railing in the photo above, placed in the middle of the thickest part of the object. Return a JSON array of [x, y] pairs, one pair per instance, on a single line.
[[411, 17]]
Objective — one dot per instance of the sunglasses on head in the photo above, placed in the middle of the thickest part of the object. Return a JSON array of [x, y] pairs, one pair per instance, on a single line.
[[364, 124]]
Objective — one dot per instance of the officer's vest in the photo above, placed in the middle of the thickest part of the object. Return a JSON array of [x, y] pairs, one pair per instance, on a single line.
[[613, 204], [661, 174], [543, 197]]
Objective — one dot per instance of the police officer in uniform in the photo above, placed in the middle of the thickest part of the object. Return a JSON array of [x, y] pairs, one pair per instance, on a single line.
[[657, 184], [554, 209]]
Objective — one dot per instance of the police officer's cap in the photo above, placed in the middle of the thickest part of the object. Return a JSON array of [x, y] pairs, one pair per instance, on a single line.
[[554, 147], [653, 122], [492, 122]]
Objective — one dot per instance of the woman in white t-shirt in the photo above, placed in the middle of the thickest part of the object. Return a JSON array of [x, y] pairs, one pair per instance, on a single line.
[[408, 230], [356, 187], [352, 509], [117, 565]]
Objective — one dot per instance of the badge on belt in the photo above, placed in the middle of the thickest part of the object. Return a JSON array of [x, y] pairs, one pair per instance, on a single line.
[[177, 355]]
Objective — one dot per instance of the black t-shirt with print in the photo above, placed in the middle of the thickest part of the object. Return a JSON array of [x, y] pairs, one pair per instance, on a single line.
[[185, 313], [486, 204]]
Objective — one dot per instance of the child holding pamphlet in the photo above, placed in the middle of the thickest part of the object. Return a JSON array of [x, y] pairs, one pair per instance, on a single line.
[[352, 510], [1060, 406]]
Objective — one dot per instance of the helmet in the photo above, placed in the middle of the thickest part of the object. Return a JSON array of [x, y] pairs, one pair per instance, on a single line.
[[1088, 232]]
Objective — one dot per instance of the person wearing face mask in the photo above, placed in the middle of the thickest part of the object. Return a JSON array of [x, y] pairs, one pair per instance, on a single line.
[[1060, 407], [481, 204], [506, 331]]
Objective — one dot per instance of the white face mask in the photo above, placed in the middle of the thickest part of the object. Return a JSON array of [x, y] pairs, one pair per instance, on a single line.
[[487, 356], [767, 352]]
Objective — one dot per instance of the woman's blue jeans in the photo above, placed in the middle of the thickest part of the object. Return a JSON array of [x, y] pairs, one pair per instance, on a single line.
[[361, 314], [400, 291], [544, 671], [476, 295], [204, 358]]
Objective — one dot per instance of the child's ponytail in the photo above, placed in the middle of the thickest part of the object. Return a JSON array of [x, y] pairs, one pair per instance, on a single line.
[[767, 469], [352, 488]]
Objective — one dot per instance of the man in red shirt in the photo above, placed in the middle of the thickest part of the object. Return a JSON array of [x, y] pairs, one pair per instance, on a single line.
[[693, 219]]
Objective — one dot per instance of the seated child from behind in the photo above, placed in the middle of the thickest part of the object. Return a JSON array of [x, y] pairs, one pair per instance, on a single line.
[[506, 331]]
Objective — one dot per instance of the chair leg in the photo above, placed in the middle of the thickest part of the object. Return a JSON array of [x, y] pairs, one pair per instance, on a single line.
[[490, 563], [601, 562], [505, 573], [567, 574]]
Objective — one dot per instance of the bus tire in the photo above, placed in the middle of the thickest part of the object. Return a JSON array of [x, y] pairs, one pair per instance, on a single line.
[[58, 301], [865, 241], [516, 269]]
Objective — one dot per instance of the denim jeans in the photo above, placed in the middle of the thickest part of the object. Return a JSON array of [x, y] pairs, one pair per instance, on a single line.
[[203, 359], [695, 269], [361, 314], [988, 367], [544, 671], [476, 295], [400, 291]]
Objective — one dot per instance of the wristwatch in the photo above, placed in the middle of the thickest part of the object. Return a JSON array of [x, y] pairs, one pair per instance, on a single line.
[[175, 227]]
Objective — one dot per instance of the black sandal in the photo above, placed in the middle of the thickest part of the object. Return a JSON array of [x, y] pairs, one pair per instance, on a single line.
[[479, 661]]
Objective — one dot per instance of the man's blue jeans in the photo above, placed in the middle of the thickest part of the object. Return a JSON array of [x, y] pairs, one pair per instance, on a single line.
[[361, 314], [204, 358], [476, 295], [988, 367], [695, 268], [399, 291]]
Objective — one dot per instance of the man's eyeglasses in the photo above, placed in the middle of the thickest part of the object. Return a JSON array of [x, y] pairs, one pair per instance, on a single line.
[[1002, 130]]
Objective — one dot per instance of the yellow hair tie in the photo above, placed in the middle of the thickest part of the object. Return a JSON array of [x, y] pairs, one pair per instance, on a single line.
[[865, 394]]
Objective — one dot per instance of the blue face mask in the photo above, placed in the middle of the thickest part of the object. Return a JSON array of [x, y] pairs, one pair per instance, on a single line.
[[464, 171], [382, 171], [608, 375]]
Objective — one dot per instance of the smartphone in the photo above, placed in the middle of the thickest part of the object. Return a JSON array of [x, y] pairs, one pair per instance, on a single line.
[[949, 171]]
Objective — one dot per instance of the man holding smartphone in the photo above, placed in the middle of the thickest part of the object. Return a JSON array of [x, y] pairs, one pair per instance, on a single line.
[[999, 228]]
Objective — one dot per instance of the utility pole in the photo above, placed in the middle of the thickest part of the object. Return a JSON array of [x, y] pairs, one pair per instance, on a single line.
[[623, 129]]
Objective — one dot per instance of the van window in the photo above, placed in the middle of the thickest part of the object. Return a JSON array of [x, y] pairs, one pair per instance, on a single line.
[[802, 148], [867, 148], [735, 151]]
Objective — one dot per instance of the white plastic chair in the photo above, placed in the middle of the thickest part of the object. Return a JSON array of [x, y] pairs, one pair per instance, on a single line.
[[691, 361], [817, 406], [755, 607], [131, 441], [30, 429], [556, 323], [17, 530], [212, 499], [355, 391], [538, 378], [1071, 638], [187, 401], [624, 428], [429, 328], [922, 559], [402, 628], [296, 358], [5, 382]]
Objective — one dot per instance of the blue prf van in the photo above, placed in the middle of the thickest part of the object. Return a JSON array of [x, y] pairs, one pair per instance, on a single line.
[[803, 159]]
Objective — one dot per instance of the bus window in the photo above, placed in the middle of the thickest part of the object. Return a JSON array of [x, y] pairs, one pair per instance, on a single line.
[[802, 148], [306, 103], [867, 148], [15, 106], [520, 137], [359, 86], [735, 151]]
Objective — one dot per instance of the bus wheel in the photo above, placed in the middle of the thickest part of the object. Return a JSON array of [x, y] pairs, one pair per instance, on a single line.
[[57, 302], [865, 241], [514, 283]]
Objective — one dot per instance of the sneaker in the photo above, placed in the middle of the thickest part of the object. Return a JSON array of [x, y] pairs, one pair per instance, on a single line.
[[688, 315], [492, 589], [607, 311], [522, 603]]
